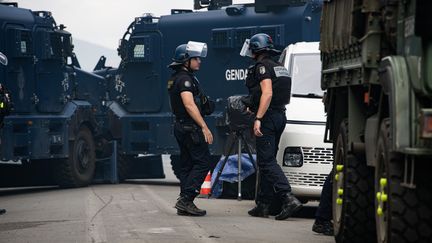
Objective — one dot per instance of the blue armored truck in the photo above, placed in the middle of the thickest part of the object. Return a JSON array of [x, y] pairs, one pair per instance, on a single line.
[[58, 113], [139, 111], [69, 125]]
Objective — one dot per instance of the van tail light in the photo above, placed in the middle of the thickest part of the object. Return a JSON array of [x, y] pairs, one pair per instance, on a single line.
[[426, 123]]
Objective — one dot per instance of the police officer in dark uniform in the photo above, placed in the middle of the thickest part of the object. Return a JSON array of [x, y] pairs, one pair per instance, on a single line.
[[323, 217], [189, 105], [5, 104], [270, 89]]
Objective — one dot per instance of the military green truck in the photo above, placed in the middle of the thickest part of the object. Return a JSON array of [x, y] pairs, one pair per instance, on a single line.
[[377, 73]]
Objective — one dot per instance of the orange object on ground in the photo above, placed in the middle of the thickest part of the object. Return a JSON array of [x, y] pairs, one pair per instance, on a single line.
[[206, 186]]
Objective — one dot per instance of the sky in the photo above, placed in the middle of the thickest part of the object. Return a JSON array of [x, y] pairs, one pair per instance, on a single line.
[[103, 22]]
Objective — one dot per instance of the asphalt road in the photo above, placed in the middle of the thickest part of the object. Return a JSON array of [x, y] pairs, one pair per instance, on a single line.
[[139, 211]]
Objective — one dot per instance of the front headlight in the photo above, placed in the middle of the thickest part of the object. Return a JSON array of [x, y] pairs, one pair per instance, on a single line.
[[293, 157]]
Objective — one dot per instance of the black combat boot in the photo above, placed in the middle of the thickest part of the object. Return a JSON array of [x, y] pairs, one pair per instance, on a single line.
[[260, 210], [182, 213], [186, 206], [290, 205], [322, 226]]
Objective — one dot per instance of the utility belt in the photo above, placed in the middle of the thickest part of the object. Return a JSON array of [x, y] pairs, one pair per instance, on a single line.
[[190, 127], [277, 109], [184, 120]]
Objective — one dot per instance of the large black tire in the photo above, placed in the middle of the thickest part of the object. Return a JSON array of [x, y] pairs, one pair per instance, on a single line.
[[353, 211], [78, 169], [406, 214]]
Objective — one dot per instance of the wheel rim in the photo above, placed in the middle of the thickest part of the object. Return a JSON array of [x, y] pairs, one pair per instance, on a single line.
[[82, 154], [381, 199], [338, 185]]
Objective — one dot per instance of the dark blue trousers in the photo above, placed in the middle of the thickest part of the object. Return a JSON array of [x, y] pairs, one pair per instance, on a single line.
[[324, 211], [273, 181], [194, 158]]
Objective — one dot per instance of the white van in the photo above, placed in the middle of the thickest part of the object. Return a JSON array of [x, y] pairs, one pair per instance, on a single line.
[[305, 159]]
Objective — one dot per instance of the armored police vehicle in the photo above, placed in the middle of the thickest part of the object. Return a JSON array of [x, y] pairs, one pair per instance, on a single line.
[[58, 117], [65, 119], [376, 70], [140, 105]]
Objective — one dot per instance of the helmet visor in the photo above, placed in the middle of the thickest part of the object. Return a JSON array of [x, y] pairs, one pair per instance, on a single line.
[[196, 49], [3, 59], [246, 51]]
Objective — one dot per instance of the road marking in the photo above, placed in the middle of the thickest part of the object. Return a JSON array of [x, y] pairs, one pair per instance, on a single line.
[[94, 222], [197, 232], [163, 230]]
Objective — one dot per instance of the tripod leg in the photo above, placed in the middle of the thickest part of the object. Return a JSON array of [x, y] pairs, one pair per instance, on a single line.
[[249, 152], [255, 164], [223, 164], [239, 196]]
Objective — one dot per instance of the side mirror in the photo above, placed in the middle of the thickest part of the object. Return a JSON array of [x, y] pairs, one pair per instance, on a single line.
[[3, 59]]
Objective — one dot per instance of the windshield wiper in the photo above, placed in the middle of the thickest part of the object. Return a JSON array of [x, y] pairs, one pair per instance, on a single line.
[[310, 95]]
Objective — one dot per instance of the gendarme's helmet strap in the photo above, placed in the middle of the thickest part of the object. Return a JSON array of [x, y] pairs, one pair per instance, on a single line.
[[187, 67]]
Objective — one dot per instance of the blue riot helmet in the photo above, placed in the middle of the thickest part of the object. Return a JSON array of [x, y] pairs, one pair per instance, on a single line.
[[184, 52], [180, 55], [257, 44], [3, 59], [260, 42]]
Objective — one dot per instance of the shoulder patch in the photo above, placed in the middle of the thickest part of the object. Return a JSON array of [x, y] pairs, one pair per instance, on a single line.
[[281, 71], [262, 70], [170, 84], [187, 84]]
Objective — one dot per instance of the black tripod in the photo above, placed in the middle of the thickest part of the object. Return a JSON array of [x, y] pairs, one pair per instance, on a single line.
[[238, 137]]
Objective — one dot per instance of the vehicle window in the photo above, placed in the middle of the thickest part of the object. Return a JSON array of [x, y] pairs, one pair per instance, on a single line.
[[139, 51], [306, 74]]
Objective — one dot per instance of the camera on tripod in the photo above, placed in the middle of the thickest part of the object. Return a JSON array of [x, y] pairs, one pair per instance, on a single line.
[[238, 117], [240, 122]]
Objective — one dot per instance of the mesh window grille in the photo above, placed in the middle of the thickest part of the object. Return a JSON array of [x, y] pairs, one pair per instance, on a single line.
[[139, 51]]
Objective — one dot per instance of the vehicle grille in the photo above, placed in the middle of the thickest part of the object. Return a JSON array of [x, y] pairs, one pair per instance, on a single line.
[[306, 179], [317, 155]]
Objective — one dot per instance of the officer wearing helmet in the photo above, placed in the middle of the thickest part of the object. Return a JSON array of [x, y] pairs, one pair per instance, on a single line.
[[190, 105], [269, 91], [5, 104]]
